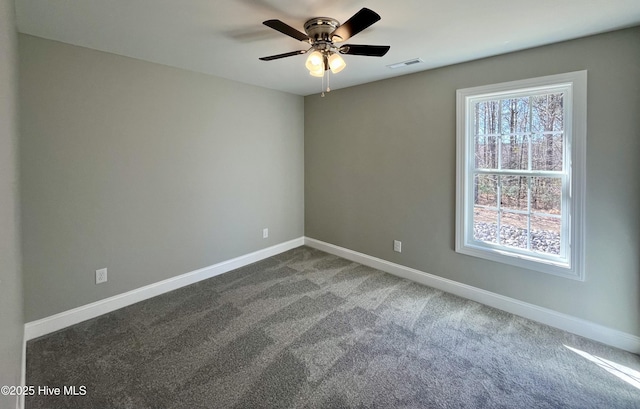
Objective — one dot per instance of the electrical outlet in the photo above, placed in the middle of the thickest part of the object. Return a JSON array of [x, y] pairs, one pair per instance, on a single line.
[[397, 246], [101, 276], [265, 233]]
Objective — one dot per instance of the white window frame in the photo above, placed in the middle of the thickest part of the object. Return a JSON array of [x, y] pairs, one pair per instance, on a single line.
[[570, 263]]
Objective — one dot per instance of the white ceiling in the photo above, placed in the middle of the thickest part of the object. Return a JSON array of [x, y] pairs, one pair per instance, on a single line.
[[226, 37]]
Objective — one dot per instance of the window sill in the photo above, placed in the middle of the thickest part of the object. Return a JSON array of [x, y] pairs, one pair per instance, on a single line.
[[519, 260]]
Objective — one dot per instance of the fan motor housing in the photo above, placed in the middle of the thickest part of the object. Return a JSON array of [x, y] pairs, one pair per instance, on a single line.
[[320, 28]]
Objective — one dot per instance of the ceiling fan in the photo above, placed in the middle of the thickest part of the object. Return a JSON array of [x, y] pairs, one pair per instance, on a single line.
[[322, 33]]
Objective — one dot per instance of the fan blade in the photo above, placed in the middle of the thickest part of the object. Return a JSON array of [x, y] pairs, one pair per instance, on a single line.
[[368, 50], [275, 57], [358, 22], [286, 29]]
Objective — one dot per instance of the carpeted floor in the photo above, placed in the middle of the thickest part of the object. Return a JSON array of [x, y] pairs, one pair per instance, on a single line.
[[306, 329]]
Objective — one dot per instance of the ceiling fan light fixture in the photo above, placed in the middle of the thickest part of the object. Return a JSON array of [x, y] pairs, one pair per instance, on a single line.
[[336, 63], [321, 33], [315, 61], [317, 72]]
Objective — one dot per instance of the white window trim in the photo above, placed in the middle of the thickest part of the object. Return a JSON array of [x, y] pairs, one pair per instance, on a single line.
[[576, 129]]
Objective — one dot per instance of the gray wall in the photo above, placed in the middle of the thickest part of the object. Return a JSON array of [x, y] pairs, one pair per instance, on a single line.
[[147, 170], [386, 170], [11, 320]]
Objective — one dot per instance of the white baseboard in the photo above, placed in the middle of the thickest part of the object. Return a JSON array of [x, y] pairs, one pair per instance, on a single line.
[[578, 326], [587, 329], [35, 329]]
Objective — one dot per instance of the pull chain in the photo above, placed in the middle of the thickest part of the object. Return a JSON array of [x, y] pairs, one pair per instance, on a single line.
[[328, 75]]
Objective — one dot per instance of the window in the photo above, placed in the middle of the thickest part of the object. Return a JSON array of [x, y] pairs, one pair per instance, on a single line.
[[521, 173]]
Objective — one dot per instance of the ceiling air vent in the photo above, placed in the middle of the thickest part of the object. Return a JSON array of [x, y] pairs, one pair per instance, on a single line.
[[405, 63]]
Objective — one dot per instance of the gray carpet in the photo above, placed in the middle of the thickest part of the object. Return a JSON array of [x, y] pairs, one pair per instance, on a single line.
[[306, 329]]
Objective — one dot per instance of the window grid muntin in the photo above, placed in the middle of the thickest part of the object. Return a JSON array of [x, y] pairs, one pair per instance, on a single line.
[[565, 233], [561, 257]]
